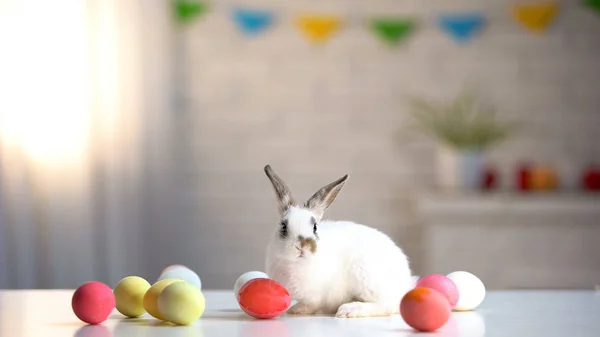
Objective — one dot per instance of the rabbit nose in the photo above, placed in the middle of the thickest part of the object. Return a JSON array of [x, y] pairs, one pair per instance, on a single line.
[[308, 242]]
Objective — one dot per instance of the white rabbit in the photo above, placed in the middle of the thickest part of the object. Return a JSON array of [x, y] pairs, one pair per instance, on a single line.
[[334, 267]]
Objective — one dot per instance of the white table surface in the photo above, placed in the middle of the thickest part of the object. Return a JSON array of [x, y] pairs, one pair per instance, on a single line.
[[46, 313]]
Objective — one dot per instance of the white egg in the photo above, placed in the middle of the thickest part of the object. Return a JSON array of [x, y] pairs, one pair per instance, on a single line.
[[471, 290], [245, 278], [183, 273]]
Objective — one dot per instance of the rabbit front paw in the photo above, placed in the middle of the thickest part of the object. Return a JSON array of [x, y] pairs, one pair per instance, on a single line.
[[302, 309], [361, 309]]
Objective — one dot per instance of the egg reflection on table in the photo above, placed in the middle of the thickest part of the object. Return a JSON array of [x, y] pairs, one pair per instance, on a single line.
[[465, 323], [154, 328], [96, 330], [262, 328]]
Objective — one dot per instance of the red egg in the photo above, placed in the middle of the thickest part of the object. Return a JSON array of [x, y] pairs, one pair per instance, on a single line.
[[93, 302], [442, 284], [264, 298], [425, 309]]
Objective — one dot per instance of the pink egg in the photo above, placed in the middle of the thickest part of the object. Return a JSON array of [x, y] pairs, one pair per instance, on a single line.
[[442, 284], [425, 309], [93, 302], [173, 266]]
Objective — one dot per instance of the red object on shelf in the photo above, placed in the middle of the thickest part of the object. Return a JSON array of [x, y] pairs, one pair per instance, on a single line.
[[523, 175], [591, 178], [490, 178]]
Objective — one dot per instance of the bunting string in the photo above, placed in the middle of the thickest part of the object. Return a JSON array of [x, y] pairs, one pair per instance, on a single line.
[[462, 27]]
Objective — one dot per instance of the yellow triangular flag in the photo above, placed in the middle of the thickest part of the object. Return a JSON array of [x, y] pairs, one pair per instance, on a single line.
[[318, 28], [536, 17]]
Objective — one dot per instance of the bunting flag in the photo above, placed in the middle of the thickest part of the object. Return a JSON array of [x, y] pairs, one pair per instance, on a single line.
[[393, 30], [462, 27], [593, 4], [318, 28], [188, 10], [252, 22], [535, 17]]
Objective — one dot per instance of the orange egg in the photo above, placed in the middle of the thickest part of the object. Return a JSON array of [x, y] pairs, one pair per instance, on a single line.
[[425, 309]]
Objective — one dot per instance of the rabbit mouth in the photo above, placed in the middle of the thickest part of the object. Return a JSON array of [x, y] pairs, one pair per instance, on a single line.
[[300, 252]]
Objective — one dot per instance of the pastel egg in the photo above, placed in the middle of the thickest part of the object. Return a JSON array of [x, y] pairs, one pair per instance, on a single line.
[[173, 266], [264, 298], [471, 290], [151, 297], [245, 278], [425, 309], [181, 303], [129, 294], [442, 284], [93, 302], [183, 273]]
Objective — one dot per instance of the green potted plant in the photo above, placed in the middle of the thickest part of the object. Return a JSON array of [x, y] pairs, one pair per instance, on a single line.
[[465, 128]]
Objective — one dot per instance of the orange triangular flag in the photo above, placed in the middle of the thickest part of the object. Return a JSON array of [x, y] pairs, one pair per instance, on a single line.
[[535, 17], [318, 28]]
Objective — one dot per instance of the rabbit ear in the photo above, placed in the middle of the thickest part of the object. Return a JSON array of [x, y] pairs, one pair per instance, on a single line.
[[284, 197], [320, 201]]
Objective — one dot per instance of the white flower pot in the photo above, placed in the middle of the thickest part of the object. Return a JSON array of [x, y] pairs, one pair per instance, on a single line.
[[459, 170]]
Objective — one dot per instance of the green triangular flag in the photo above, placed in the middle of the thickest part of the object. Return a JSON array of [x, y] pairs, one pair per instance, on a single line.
[[187, 10], [593, 4], [393, 30]]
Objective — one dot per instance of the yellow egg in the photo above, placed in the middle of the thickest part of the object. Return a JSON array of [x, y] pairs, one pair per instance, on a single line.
[[151, 296], [129, 294], [181, 303]]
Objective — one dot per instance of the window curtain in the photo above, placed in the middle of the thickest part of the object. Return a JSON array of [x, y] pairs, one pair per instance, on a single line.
[[85, 87]]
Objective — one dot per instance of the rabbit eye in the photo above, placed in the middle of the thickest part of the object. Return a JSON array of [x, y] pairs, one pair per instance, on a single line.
[[283, 232], [315, 228]]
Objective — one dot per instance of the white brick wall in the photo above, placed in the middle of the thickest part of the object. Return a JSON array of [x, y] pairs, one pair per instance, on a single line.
[[318, 113]]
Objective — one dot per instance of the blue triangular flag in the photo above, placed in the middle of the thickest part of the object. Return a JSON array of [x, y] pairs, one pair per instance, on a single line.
[[252, 22], [462, 27]]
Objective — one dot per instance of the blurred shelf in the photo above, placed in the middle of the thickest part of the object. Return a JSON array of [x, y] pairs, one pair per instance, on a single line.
[[482, 203]]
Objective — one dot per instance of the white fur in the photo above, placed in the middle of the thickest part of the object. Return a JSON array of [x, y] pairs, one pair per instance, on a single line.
[[356, 271]]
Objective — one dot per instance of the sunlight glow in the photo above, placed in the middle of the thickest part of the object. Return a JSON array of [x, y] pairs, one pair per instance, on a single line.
[[44, 81]]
